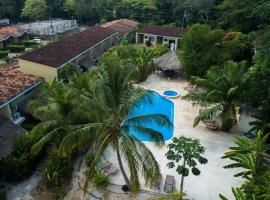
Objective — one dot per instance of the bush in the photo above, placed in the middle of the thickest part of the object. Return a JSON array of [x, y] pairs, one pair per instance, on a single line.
[[159, 50], [3, 54], [100, 181], [21, 163], [16, 48], [7, 59], [29, 43], [3, 63], [56, 170]]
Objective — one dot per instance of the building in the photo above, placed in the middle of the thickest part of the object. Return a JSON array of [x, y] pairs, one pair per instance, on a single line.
[[82, 49], [246, 115], [11, 34], [49, 27], [122, 26], [15, 89], [153, 34]]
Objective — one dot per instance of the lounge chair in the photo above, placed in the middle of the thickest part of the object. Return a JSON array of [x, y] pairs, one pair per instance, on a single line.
[[155, 185], [111, 171], [108, 169], [169, 184], [213, 125]]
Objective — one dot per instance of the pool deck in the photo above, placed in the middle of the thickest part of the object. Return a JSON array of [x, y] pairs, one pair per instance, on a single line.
[[214, 179]]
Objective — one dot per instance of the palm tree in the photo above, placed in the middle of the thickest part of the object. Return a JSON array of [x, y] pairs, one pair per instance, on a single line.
[[249, 156], [238, 195], [109, 95], [60, 116], [144, 62], [219, 93]]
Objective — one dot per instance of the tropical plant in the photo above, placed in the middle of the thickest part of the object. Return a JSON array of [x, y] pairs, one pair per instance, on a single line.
[[249, 156], [109, 95], [100, 181], [219, 93], [238, 194], [144, 63], [61, 118], [189, 151], [56, 170], [173, 196]]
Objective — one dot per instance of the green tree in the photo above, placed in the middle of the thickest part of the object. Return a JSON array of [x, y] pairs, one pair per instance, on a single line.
[[35, 9], [219, 94], [244, 15], [141, 10], [90, 12], [61, 118], [189, 152], [109, 95], [257, 90], [201, 49], [11, 9]]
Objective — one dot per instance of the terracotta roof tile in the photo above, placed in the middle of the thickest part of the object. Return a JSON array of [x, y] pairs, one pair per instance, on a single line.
[[163, 30], [123, 26], [14, 82], [7, 31], [60, 52]]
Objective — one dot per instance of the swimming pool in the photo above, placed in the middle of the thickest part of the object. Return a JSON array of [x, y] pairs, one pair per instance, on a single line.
[[153, 104], [170, 94]]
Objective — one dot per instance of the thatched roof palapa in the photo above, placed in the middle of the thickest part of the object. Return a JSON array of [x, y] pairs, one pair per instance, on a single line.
[[169, 61]]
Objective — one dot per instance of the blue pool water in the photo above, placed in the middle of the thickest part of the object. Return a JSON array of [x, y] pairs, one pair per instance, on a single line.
[[153, 104], [170, 93]]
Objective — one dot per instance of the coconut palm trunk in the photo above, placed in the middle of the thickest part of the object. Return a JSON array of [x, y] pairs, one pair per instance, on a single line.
[[122, 168]]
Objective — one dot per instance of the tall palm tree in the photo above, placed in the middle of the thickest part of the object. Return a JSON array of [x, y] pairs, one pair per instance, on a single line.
[[60, 116], [219, 93], [109, 95]]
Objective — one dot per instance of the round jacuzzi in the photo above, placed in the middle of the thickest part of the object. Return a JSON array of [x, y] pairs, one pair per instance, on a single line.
[[171, 94]]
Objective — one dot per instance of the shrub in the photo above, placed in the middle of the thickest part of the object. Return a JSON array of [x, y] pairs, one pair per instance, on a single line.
[[3, 54], [3, 63], [100, 181], [7, 59], [29, 43], [16, 48], [159, 50], [3, 194], [56, 170], [21, 162]]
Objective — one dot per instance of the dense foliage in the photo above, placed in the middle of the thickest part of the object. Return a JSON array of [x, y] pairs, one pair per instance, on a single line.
[[203, 48], [237, 15], [249, 157], [220, 94]]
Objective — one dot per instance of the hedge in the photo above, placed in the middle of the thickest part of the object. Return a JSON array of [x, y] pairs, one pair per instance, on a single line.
[[3, 54], [29, 43], [16, 48]]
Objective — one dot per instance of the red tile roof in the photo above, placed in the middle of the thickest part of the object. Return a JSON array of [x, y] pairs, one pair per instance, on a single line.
[[7, 31], [123, 26], [60, 52], [163, 30], [14, 82]]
